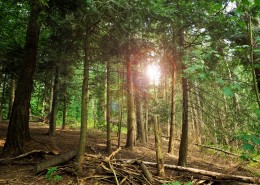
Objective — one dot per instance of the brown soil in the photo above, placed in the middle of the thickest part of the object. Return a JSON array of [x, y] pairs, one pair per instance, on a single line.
[[66, 140]]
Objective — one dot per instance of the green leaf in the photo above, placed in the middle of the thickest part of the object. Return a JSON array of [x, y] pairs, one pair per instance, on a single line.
[[255, 140], [257, 2], [176, 183], [228, 91], [188, 183], [248, 147], [236, 86], [258, 113]]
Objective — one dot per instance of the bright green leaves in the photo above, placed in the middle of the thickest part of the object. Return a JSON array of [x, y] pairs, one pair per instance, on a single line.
[[228, 91], [250, 145]]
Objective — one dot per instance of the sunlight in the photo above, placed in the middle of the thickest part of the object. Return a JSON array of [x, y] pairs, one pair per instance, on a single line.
[[154, 73]]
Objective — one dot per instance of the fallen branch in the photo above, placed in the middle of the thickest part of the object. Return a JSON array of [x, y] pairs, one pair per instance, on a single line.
[[59, 159], [113, 154], [215, 175], [10, 159], [146, 172], [217, 149]]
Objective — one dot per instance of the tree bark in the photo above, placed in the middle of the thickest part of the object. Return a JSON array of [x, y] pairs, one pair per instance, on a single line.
[[18, 129], [172, 116], [84, 108], [109, 148], [130, 140], [138, 105], [182, 161], [54, 106], [158, 145], [12, 95], [62, 158]]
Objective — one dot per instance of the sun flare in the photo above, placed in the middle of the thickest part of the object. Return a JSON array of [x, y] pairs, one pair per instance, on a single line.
[[154, 73]]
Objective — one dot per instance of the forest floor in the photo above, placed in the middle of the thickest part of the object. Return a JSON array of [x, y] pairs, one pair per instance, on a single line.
[[21, 172]]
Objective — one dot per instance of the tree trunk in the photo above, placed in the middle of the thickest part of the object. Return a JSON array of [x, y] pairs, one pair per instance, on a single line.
[[64, 114], [59, 159], [12, 94], [51, 89], [130, 140], [109, 149], [3, 97], [182, 161], [54, 104], [84, 108], [138, 105], [158, 145], [172, 117], [18, 129], [65, 89], [252, 61], [121, 109]]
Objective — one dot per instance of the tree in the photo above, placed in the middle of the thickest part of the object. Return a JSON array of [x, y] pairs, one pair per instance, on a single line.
[[18, 128]]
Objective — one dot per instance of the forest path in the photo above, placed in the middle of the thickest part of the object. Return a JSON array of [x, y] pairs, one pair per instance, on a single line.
[[66, 140]]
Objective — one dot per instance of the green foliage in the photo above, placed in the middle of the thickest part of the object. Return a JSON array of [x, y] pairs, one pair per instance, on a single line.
[[250, 146], [228, 91], [52, 175]]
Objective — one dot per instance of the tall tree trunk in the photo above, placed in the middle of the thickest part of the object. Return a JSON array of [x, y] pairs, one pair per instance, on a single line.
[[109, 149], [84, 108], [252, 61], [64, 114], [130, 140], [138, 107], [139, 119], [121, 102], [51, 89], [65, 89], [12, 94], [54, 104], [3, 97], [18, 128], [158, 145], [172, 116], [182, 161], [43, 100]]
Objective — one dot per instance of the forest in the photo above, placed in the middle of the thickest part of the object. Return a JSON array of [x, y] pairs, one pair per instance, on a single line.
[[130, 91]]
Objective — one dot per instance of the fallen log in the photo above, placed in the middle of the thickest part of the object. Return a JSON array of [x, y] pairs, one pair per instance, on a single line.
[[146, 172], [59, 159], [33, 152], [214, 175]]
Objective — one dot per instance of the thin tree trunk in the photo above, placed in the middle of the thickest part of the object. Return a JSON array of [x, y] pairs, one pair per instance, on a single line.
[[18, 128], [121, 109], [43, 100], [139, 120], [84, 109], [182, 161], [109, 149], [64, 114], [251, 44], [130, 140], [3, 97], [12, 94], [158, 145], [53, 116], [172, 116], [51, 89]]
